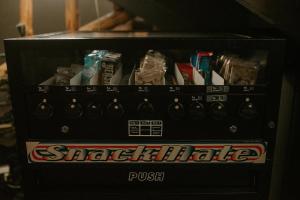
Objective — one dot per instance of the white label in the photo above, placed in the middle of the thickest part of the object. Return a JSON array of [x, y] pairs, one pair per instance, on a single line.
[[143, 128]]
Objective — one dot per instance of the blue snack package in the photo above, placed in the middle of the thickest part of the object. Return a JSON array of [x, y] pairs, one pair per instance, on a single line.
[[91, 66], [201, 61]]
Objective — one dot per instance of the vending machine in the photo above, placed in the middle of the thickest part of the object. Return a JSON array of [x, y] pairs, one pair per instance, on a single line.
[[146, 115]]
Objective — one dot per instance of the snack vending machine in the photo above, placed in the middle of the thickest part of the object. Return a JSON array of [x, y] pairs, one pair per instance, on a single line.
[[146, 115]]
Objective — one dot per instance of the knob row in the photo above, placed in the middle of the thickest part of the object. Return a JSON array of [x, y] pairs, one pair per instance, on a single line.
[[115, 110], [216, 111], [45, 111]]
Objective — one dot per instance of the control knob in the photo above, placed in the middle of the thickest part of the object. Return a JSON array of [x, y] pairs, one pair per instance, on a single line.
[[248, 111], [43, 111], [218, 111], [73, 110], [145, 109], [176, 111], [197, 111], [93, 111], [115, 110]]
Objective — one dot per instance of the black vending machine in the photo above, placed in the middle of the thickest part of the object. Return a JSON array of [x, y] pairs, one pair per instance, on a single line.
[[146, 115]]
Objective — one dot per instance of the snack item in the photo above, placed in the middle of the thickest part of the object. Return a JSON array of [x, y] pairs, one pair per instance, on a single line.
[[238, 71], [243, 73], [222, 61], [186, 71], [99, 61], [110, 64], [202, 62], [91, 67], [152, 69], [63, 75]]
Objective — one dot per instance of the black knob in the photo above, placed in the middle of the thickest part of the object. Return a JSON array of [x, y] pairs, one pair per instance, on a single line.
[[218, 111], [43, 111], [73, 111], [93, 111], [197, 111], [248, 111], [176, 111], [145, 110], [115, 110]]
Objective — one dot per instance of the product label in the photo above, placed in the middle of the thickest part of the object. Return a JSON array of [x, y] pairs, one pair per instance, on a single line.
[[182, 153], [142, 128]]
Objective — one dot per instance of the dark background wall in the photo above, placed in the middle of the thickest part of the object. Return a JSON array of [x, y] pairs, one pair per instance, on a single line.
[[48, 16], [194, 15], [283, 13], [286, 16]]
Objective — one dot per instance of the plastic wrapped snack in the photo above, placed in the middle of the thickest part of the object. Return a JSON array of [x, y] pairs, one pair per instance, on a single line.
[[202, 62], [63, 75], [243, 73], [110, 64], [152, 69], [99, 62], [91, 67], [237, 71], [223, 62]]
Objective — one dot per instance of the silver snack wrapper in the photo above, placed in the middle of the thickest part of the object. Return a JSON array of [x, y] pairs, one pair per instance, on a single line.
[[152, 69]]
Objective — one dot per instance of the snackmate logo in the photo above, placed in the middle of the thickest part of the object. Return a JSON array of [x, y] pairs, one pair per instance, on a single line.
[[146, 153]]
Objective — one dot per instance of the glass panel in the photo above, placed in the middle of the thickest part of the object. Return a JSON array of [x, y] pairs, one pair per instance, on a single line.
[[145, 67]]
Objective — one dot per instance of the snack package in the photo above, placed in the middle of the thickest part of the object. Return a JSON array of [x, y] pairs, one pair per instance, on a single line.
[[110, 64], [238, 71], [100, 65], [91, 67], [64, 74], [152, 69], [222, 61], [202, 62], [186, 71], [243, 72]]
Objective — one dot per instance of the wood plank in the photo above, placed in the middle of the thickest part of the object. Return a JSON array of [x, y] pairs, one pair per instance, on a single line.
[[107, 22], [72, 15], [26, 16], [6, 126], [127, 26], [3, 70]]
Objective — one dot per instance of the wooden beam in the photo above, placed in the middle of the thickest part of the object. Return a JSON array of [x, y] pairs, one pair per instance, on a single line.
[[107, 22], [3, 70], [128, 26], [26, 16], [72, 15], [6, 126]]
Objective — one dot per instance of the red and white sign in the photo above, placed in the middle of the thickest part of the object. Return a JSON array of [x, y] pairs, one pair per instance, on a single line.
[[146, 153]]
